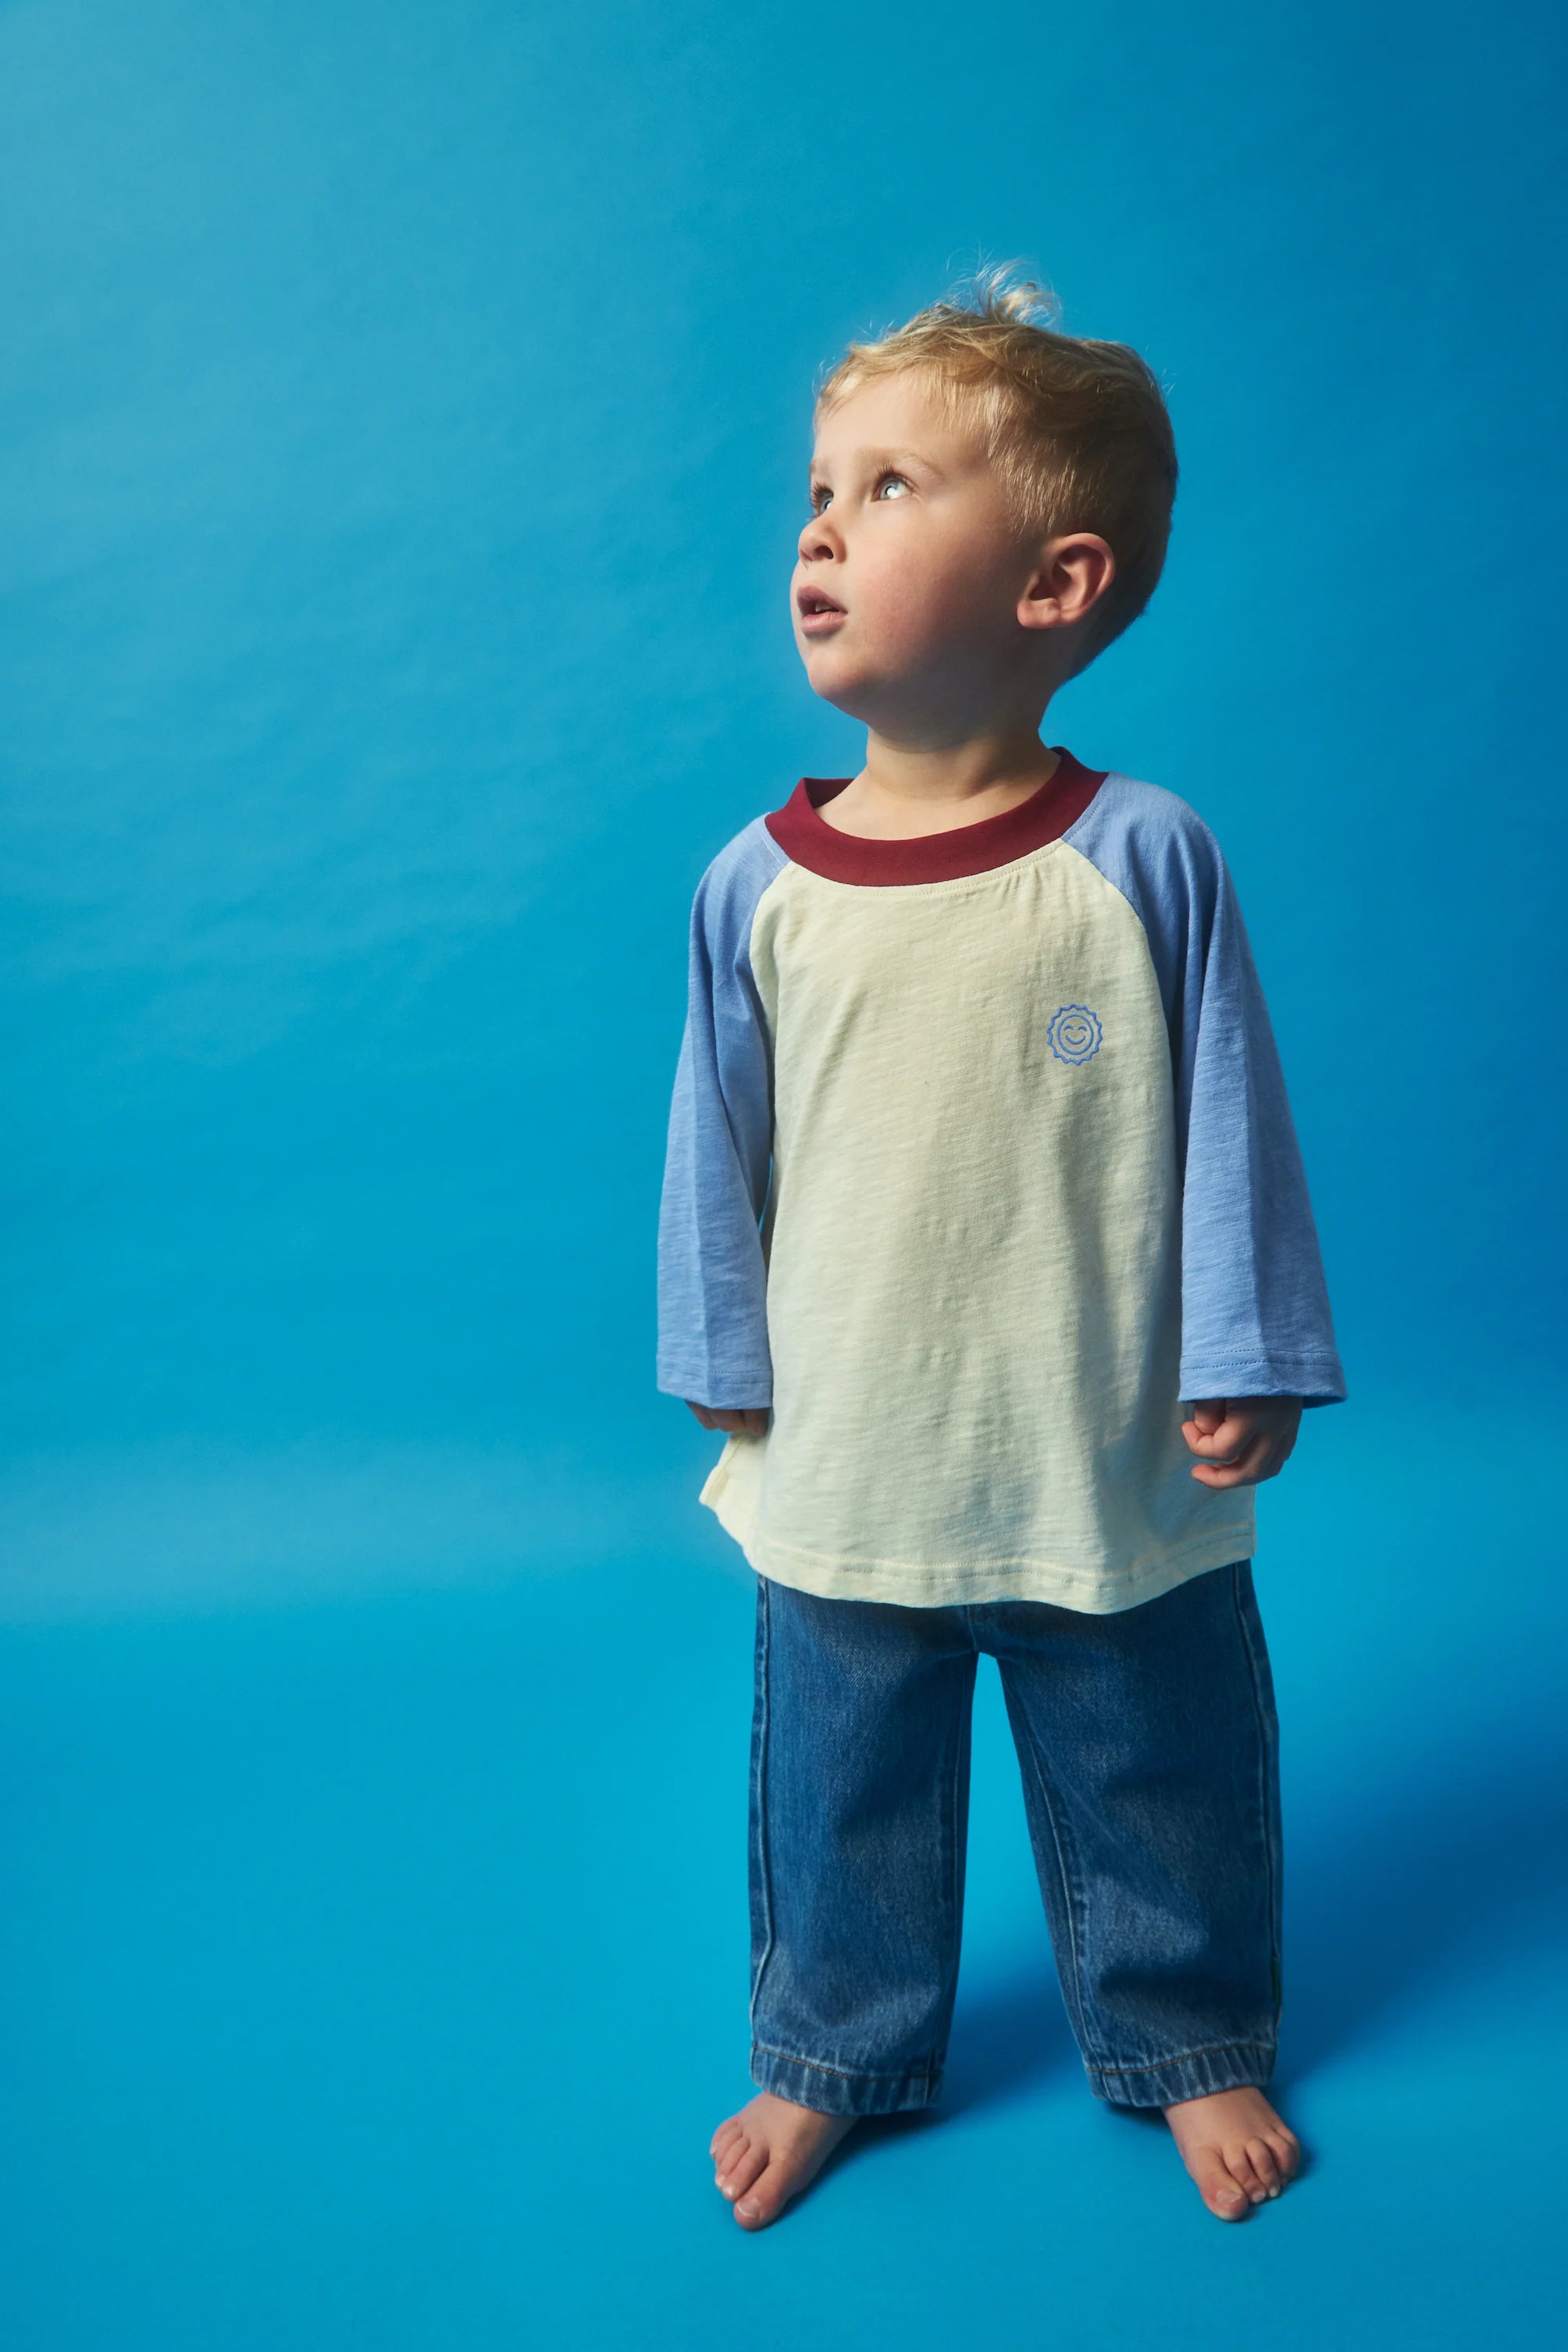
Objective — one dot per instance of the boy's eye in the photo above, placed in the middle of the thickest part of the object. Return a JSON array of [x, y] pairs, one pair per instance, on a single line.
[[887, 486]]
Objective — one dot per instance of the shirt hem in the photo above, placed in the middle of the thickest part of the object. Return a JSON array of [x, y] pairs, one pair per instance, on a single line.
[[1092, 1592]]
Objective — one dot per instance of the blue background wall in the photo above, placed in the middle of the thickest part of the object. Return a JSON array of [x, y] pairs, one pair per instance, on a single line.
[[404, 411]]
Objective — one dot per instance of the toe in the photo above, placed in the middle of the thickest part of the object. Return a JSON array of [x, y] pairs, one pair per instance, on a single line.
[[737, 2177], [1261, 2157], [1238, 2164], [761, 2203], [1287, 2150], [1218, 2188], [726, 2133]]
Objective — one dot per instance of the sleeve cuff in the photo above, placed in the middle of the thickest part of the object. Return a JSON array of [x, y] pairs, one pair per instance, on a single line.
[[705, 1388], [1316, 1380]]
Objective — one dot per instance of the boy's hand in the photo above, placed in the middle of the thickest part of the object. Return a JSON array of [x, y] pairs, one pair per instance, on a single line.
[[752, 1419], [1242, 1440]]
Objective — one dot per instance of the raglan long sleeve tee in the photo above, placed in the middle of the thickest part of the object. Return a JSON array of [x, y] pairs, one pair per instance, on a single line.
[[979, 1167]]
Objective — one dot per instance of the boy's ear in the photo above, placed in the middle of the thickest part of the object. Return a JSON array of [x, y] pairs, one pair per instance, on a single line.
[[1071, 576]]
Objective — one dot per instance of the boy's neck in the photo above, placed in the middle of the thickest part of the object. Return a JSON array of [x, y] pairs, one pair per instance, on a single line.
[[907, 790]]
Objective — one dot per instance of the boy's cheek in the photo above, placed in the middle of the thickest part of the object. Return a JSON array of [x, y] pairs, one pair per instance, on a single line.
[[924, 610]]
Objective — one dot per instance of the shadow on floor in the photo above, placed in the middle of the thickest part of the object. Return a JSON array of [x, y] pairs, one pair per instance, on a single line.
[[1425, 1886], [1009, 2033], [1422, 1885]]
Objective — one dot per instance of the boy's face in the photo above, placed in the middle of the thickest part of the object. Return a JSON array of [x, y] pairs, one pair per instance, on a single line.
[[910, 572]]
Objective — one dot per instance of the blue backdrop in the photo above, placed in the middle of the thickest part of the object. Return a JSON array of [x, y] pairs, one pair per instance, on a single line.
[[404, 415]]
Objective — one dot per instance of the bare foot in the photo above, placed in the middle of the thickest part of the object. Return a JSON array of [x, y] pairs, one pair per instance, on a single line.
[[767, 2154], [1237, 2150]]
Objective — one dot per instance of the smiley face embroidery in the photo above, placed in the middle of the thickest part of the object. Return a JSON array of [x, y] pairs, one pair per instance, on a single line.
[[1075, 1034]]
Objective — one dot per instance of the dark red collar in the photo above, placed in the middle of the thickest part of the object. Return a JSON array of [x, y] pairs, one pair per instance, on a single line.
[[812, 841]]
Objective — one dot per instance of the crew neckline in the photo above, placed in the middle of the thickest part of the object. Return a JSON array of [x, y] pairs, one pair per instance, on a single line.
[[807, 837]]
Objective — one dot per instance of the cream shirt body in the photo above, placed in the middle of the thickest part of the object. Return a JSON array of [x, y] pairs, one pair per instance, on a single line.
[[972, 1253]]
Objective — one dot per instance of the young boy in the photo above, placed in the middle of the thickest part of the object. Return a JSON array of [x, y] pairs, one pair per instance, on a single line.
[[980, 1162]]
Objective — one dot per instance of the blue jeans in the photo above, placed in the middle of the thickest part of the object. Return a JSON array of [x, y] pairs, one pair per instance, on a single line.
[[1149, 1747]]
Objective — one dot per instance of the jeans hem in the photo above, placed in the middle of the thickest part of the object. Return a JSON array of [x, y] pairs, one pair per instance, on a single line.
[[837, 2091], [1194, 2074]]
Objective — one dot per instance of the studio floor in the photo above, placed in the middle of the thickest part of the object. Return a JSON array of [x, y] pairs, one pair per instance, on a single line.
[[373, 1974]]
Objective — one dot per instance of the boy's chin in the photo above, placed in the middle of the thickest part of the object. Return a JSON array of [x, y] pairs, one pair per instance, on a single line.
[[871, 701]]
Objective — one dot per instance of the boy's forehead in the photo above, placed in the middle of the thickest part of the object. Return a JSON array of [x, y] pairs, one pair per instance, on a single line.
[[892, 415]]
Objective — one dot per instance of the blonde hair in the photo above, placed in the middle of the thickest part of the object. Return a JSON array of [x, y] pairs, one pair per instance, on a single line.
[[1077, 430]]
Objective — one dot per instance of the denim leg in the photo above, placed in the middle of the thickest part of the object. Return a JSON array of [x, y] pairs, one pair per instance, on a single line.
[[1149, 1747], [859, 1806]]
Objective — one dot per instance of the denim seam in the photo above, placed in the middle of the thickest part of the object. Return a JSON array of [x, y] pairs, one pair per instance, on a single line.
[[763, 1727], [849, 2073], [1158, 2065], [955, 1903], [1069, 1888], [1264, 1813]]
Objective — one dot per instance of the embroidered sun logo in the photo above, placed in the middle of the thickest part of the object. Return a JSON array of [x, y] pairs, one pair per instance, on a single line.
[[1074, 1033]]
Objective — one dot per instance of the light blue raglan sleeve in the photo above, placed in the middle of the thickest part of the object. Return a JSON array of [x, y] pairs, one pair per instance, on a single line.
[[1255, 1304], [712, 1280]]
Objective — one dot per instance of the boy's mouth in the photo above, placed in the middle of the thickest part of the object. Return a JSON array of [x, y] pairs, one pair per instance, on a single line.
[[819, 614]]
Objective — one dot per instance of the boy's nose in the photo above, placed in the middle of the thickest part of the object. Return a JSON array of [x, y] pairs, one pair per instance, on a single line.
[[819, 540]]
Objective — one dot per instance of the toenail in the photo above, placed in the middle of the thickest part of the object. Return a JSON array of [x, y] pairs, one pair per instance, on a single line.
[[751, 2208]]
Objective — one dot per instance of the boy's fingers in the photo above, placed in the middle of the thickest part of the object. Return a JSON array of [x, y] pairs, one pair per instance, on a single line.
[[1223, 1439], [1246, 1470], [1208, 1413], [1238, 1463]]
